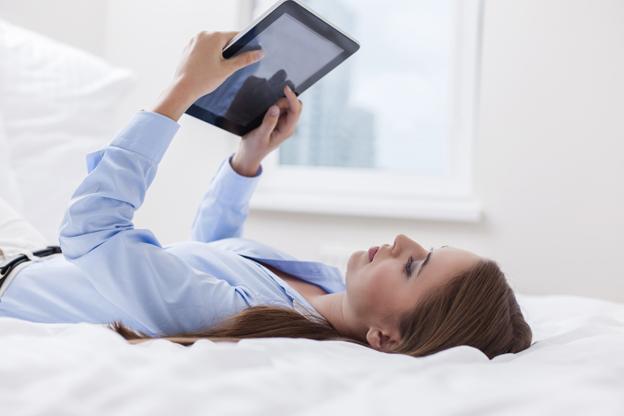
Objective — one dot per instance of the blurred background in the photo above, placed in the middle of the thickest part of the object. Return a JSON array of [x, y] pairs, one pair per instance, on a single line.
[[545, 159]]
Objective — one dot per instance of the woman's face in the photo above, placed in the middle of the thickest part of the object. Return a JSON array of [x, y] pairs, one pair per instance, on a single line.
[[380, 291]]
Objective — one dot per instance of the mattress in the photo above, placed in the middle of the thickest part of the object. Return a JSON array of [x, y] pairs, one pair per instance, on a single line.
[[576, 366]]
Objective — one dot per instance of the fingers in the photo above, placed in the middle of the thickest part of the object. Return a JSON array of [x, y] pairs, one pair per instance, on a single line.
[[270, 121], [283, 104], [227, 36], [291, 107], [220, 40], [243, 60], [289, 103], [294, 103]]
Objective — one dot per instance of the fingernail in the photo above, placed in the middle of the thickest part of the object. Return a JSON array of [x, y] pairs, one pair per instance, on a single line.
[[274, 111]]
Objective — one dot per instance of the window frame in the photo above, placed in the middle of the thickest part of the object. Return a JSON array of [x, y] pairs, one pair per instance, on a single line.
[[375, 193]]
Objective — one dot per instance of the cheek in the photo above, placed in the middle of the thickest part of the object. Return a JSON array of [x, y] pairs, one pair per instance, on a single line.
[[370, 288]]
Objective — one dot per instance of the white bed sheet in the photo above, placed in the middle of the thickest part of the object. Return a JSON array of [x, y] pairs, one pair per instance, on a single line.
[[576, 367]]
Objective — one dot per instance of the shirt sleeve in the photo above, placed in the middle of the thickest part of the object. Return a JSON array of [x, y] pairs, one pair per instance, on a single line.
[[127, 265], [225, 206]]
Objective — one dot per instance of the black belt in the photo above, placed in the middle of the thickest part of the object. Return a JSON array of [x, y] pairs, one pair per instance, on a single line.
[[22, 258]]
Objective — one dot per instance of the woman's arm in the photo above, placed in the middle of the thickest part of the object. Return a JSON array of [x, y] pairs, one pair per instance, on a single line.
[[225, 206], [126, 265]]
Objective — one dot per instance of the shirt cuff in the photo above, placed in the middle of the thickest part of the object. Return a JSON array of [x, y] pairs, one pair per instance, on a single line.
[[232, 187], [148, 134]]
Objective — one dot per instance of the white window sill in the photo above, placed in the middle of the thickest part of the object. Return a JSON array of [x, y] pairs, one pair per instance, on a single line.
[[459, 209]]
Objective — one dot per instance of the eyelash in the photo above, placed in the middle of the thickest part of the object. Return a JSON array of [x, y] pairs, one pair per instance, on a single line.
[[408, 266]]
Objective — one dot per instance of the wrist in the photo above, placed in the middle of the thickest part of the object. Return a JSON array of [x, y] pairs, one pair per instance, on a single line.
[[175, 100], [243, 166]]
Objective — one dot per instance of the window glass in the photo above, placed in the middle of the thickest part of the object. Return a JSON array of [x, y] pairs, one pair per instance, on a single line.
[[388, 107]]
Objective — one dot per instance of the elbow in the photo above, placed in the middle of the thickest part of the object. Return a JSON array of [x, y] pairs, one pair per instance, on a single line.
[[77, 237], [69, 240], [65, 237]]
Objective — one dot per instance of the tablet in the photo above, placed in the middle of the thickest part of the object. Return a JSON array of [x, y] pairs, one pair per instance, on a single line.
[[299, 49]]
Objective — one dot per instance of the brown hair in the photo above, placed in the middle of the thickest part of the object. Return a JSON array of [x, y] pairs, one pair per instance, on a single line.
[[476, 308]]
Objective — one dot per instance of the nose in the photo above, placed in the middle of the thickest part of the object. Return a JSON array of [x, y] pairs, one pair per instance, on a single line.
[[404, 243]]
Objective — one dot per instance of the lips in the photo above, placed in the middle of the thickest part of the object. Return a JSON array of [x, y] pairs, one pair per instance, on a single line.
[[371, 252]]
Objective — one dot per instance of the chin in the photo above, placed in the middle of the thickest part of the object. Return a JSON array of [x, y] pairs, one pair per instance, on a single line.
[[353, 258]]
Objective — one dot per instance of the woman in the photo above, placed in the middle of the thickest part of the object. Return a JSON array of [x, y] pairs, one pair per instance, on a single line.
[[398, 298]]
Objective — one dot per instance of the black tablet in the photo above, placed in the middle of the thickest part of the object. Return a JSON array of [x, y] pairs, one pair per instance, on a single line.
[[299, 49]]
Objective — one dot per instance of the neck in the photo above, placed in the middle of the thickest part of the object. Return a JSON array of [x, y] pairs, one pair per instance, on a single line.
[[332, 307]]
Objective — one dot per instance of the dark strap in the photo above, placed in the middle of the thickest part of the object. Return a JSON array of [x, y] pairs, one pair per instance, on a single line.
[[22, 258]]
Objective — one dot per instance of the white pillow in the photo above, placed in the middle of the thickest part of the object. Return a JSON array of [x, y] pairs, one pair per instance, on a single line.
[[9, 190], [58, 104]]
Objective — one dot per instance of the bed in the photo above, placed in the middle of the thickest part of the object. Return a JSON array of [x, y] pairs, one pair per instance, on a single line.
[[575, 366]]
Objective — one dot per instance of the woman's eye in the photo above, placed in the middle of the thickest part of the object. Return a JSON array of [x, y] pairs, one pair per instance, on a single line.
[[408, 266]]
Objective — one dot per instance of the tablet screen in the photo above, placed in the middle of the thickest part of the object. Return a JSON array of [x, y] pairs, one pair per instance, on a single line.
[[248, 93]]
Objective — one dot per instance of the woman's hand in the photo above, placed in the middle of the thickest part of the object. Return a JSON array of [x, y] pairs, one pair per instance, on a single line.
[[278, 125], [202, 70]]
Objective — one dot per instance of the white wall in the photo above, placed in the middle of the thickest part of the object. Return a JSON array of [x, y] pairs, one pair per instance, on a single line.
[[550, 156], [550, 151], [551, 148]]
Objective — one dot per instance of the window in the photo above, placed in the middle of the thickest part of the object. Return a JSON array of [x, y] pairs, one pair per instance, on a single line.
[[390, 132]]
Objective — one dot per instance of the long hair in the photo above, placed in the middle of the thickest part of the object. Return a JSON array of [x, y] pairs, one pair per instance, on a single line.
[[476, 308]]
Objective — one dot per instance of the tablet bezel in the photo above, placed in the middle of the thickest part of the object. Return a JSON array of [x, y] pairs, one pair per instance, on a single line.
[[310, 20]]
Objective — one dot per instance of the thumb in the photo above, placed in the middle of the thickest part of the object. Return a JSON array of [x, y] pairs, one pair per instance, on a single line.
[[270, 121], [244, 59]]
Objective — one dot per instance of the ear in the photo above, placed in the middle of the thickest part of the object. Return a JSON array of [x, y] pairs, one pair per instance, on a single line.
[[381, 339]]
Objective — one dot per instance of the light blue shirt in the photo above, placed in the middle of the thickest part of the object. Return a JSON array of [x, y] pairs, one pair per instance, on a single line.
[[110, 270]]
